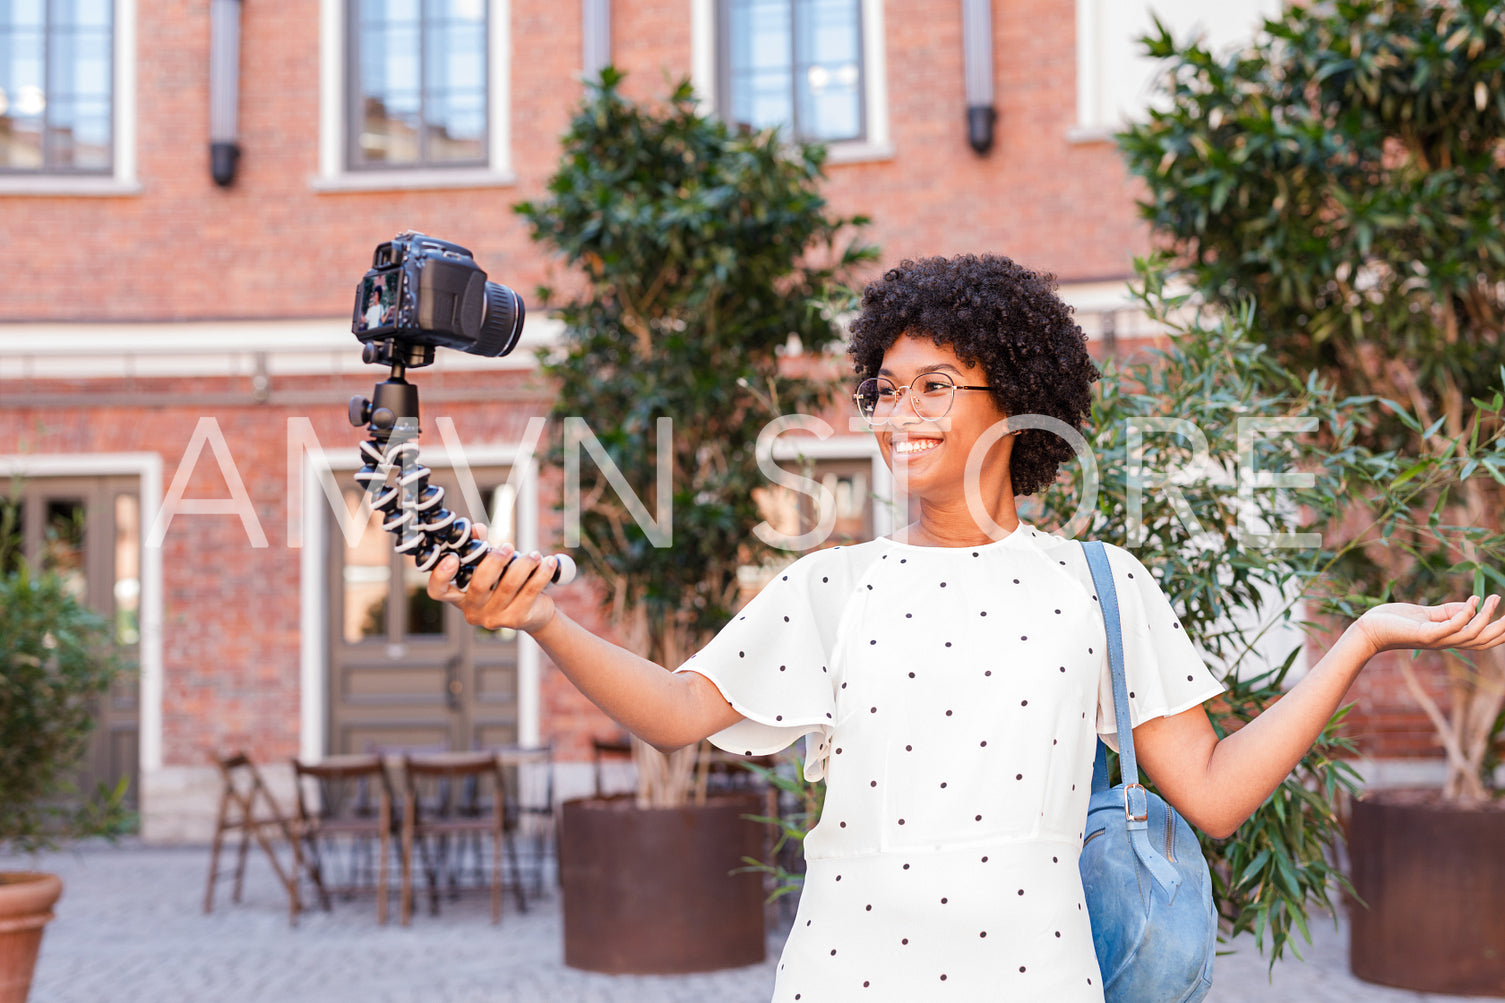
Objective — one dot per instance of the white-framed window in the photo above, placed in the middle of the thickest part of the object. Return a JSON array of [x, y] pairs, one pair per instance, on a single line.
[[414, 94], [67, 97], [1114, 76], [849, 471], [815, 68]]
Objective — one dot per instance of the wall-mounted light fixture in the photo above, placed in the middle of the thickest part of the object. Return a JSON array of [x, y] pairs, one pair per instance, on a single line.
[[977, 61], [224, 89], [595, 37]]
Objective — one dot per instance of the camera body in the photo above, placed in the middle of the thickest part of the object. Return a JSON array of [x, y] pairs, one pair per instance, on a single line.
[[422, 292]]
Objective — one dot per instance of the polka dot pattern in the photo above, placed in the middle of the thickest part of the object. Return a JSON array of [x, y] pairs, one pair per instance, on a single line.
[[950, 697]]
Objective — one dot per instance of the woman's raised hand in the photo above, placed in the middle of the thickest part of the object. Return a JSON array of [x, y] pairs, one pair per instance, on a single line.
[[503, 592], [1466, 625]]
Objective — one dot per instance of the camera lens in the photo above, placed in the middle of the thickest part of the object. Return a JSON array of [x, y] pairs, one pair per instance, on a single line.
[[503, 324]]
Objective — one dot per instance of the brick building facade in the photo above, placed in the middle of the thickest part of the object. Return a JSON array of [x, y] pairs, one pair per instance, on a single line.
[[175, 347]]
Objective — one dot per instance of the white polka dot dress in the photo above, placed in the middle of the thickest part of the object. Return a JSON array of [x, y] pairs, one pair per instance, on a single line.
[[951, 698]]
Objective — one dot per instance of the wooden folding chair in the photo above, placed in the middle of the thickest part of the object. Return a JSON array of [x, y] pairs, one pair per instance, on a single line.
[[456, 799], [345, 804], [529, 775], [604, 749], [247, 806]]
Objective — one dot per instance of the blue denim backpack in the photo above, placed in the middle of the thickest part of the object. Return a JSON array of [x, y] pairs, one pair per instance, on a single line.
[[1149, 894]]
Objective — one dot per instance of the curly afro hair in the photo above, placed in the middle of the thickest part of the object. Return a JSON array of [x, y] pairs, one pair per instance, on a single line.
[[1000, 316]]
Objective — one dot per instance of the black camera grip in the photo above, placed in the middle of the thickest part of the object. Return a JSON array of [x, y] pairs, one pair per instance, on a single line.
[[563, 574], [413, 510]]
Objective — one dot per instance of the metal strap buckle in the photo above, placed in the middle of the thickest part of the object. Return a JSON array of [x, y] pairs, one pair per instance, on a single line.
[[1128, 801]]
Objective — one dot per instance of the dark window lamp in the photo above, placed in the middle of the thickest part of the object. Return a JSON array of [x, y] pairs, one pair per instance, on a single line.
[[796, 64], [977, 63], [418, 83], [57, 86], [224, 90]]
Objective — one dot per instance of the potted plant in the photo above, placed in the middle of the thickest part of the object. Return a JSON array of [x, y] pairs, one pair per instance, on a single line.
[[1342, 173], [697, 253], [55, 662]]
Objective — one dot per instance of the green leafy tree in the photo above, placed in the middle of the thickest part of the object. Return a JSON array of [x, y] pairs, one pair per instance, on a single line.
[[1345, 174], [699, 255], [1184, 439]]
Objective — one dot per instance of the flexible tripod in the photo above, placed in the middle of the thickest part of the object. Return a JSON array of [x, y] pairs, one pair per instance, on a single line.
[[398, 484]]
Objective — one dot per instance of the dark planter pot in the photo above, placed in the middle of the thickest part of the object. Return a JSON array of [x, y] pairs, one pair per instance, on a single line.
[[650, 891], [26, 900], [1433, 876]]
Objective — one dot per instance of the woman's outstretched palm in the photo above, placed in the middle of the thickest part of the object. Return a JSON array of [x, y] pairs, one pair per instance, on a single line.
[[1465, 625]]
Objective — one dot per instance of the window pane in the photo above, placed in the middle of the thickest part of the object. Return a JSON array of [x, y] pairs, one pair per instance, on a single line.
[[389, 59], [26, 13], [56, 82], [94, 13], [421, 69], [81, 13], [828, 69], [80, 135], [767, 101], [471, 12], [127, 588], [80, 65], [63, 545], [60, 60], [389, 133], [795, 63], [501, 512], [367, 576], [389, 10], [425, 615], [21, 143], [793, 513], [760, 34], [456, 58], [760, 55], [827, 31], [457, 129], [829, 108], [20, 61]]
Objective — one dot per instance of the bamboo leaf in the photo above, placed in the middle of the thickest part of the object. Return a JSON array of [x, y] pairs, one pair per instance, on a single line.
[[1410, 472]]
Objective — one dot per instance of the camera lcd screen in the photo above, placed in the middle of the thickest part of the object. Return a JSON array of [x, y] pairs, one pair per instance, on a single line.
[[377, 310]]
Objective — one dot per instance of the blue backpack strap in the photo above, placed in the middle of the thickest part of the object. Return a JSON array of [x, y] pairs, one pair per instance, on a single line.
[[1136, 798], [1100, 769], [1107, 597]]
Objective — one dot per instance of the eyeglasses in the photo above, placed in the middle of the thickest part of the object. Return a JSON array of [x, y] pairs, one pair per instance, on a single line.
[[932, 394]]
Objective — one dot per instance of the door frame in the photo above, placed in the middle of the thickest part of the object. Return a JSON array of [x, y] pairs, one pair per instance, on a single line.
[[147, 469], [314, 604]]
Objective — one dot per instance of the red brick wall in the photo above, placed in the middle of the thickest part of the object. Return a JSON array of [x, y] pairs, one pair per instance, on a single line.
[[269, 246]]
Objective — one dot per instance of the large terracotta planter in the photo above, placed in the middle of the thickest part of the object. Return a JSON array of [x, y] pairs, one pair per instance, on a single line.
[[26, 900], [651, 890], [1433, 876]]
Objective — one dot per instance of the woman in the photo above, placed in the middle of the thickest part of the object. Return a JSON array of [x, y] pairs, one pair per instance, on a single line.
[[951, 680]]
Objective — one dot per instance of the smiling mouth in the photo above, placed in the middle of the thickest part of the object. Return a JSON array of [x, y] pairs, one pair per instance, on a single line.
[[909, 447]]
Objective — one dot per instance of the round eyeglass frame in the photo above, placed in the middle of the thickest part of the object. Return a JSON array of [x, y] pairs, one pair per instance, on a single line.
[[915, 396]]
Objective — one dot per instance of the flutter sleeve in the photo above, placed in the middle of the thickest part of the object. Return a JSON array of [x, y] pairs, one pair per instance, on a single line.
[[772, 663], [1162, 667]]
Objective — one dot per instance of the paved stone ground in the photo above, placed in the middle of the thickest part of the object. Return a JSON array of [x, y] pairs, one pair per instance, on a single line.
[[130, 928]]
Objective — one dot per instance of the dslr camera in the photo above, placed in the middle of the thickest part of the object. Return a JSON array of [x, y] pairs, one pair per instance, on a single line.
[[422, 292]]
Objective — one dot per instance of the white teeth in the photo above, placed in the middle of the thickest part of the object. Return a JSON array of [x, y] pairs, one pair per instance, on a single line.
[[915, 445]]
